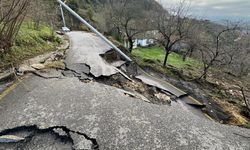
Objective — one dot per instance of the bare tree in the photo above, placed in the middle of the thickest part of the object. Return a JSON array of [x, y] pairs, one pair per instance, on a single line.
[[173, 27], [215, 50], [13, 14], [192, 40], [46, 13], [240, 57], [127, 17], [246, 101]]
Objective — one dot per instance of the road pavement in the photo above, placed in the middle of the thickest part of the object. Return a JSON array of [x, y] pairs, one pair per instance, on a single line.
[[113, 119], [84, 55]]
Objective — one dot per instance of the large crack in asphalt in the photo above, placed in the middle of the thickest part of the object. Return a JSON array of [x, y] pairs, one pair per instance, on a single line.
[[45, 76], [55, 137], [129, 77]]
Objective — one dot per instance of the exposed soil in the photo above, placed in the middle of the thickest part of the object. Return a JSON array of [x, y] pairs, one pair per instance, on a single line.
[[153, 94], [220, 93]]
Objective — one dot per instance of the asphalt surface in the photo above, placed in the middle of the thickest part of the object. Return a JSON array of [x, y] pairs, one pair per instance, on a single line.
[[84, 55], [115, 120], [161, 85], [107, 115]]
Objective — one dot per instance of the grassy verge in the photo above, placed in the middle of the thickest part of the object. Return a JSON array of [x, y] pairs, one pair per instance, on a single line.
[[157, 53], [29, 43]]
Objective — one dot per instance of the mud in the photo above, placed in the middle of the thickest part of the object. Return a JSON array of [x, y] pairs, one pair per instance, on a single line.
[[149, 92]]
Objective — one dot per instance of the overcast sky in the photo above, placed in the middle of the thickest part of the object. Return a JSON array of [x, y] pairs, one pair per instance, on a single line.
[[216, 10]]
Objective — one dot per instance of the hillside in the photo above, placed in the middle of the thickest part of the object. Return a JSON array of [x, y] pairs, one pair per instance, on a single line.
[[29, 43]]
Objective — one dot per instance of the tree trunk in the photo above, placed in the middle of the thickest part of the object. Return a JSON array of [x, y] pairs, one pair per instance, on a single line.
[[188, 53], [184, 57], [204, 75], [131, 44], [37, 24], [166, 58], [245, 99]]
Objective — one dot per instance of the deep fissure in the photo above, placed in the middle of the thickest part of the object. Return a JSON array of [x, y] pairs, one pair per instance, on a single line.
[[35, 130]]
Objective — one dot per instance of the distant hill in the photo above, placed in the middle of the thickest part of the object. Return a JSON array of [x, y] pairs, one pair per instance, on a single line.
[[91, 10]]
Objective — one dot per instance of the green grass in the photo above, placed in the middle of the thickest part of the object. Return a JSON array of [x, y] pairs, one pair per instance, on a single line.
[[157, 53], [29, 43]]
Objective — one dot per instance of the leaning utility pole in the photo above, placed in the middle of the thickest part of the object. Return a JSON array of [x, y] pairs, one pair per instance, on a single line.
[[94, 30], [63, 19]]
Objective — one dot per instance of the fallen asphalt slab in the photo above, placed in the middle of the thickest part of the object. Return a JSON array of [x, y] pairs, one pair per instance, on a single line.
[[207, 108], [84, 54], [113, 119], [160, 84]]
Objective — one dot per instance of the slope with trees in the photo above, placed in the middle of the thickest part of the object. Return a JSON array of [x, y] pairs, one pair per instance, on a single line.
[[173, 27], [26, 30]]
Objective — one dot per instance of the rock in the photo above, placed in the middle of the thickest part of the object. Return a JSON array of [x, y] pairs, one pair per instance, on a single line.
[[10, 139], [38, 66], [24, 69], [235, 87], [152, 90], [57, 56], [223, 93], [231, 92], [163, 97]]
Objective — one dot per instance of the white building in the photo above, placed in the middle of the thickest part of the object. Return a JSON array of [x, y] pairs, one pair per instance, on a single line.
[[143, 40]]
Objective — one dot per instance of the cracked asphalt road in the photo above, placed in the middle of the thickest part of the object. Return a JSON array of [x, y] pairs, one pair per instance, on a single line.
[[85, 50], [113, 119]]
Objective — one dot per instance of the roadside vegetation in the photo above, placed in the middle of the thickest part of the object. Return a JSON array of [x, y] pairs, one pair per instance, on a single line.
[[23, 32], [157, 53], [30, 42]]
